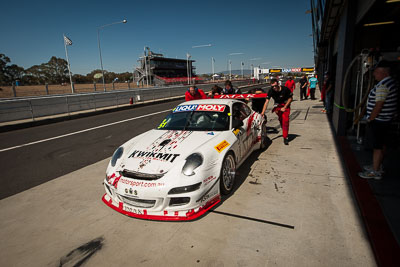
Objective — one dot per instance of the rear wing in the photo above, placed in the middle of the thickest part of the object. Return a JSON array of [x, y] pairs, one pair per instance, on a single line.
[[241, 96]]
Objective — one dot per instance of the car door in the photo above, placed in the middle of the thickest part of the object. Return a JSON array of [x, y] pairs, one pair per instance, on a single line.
[[241, 111]]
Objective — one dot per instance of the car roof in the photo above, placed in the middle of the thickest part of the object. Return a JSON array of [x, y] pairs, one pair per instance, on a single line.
[[210, 101]]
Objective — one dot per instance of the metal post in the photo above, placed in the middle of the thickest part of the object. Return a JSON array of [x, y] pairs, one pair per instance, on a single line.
[[13, 89], [94, 86], [66, 101], [30, 105], [47, 88], [113, 85], [187, 67], [73, 87], [69, 67], [359, 110], [101, 60], [355, 97], [129, 85]]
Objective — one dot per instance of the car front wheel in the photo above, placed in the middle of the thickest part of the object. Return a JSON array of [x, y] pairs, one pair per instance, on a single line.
[[228, 173], [264, 136]]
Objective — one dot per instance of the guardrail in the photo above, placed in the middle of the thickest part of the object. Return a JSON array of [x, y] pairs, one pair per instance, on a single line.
[[36, 107]]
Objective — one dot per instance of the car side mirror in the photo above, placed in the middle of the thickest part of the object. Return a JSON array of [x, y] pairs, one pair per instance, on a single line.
[[236, 124]]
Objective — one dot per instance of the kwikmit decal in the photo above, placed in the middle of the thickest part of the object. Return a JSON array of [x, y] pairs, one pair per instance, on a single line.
[[218, 108], [155, 155]]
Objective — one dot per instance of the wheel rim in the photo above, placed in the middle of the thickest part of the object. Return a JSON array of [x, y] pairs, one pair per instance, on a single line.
[[228, 172]]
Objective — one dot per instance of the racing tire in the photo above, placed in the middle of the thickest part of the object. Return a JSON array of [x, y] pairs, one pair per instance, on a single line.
[[228, 173], [264, 137]]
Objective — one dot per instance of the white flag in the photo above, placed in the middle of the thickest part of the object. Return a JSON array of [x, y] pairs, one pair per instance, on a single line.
[[67, 41]]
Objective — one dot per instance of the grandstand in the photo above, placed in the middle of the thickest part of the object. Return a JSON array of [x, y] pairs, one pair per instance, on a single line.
[[155, 69]]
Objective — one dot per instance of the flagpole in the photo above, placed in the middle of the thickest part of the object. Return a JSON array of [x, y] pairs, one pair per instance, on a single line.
[[69, 68]]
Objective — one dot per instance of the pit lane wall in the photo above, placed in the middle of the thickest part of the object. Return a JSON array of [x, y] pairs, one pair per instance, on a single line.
[[36, 107]]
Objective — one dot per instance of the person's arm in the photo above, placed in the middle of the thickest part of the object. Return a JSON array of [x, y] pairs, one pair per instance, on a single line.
[[381, 94], [283, 109], [265, 106], [329, 88], [376, 110], [202, 94]]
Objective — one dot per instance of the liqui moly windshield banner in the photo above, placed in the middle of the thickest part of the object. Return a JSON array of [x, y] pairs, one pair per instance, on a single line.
[[202, 107]]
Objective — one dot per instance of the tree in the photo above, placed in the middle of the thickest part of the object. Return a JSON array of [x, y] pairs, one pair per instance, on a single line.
[[37, 74], [4, 60], [15, 72], [125, 76], [56, 70], [78, 78]]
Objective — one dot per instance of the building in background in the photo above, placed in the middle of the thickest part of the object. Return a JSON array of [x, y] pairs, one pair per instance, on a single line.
[[155, 69], [349, 37]]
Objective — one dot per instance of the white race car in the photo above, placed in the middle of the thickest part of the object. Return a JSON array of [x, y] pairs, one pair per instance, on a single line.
[[179, 170]]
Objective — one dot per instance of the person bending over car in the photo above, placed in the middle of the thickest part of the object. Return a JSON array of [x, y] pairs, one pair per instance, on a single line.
[[194, 93]]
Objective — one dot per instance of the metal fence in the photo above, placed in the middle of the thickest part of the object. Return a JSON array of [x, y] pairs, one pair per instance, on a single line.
[[37, 107]]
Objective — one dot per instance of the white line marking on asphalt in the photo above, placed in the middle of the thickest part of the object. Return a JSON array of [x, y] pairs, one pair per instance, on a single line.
[[82, 131]]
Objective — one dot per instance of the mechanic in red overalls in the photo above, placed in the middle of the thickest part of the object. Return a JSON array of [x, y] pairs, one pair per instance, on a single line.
[[290, 83], [282, 97], [194, 93]]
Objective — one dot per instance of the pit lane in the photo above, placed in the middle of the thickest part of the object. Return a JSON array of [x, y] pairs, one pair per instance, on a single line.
[[291, 207]]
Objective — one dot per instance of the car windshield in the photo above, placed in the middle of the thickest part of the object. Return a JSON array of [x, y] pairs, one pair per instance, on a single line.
[[197, 120]]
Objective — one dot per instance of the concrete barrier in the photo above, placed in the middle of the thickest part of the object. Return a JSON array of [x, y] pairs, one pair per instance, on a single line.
[[37, 107]]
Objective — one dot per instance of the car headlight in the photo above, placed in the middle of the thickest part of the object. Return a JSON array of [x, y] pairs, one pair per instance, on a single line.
[[192, 162], [117, 154]]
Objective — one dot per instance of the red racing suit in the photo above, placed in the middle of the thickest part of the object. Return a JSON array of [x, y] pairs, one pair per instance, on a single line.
[[283, 118], [198, 95]]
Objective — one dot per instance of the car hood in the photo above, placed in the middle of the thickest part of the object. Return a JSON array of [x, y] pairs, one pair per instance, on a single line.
[[157, 151]]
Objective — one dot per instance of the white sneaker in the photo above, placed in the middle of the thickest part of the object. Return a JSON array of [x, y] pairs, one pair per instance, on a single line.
[[370, 175], [371, 168]]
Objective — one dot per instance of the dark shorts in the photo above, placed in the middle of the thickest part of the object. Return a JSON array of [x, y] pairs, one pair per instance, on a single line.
[[379, 133]]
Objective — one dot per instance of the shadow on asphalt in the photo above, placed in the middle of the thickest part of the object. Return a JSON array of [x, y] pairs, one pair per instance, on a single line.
[[241, 176]]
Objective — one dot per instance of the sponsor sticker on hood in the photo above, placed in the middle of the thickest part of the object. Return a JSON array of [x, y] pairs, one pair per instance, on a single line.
[[154, 155], [221, 146]]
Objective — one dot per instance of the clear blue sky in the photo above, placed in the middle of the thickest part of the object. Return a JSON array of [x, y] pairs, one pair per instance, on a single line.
[[277, 32]]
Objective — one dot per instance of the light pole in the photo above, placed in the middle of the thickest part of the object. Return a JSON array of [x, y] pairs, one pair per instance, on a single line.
[[230, 63], [98, 41], [212, 67], [200, 46], [187, 67], [230, 70], [252, 66]]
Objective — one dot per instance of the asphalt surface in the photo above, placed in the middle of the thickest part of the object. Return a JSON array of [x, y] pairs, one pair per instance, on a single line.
[[292, 206], [32, 165]]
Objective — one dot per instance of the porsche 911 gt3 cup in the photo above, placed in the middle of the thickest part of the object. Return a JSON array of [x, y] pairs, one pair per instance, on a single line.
[[179, 170]]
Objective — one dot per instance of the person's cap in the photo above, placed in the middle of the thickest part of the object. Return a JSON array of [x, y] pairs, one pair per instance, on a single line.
[[383, 64]]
